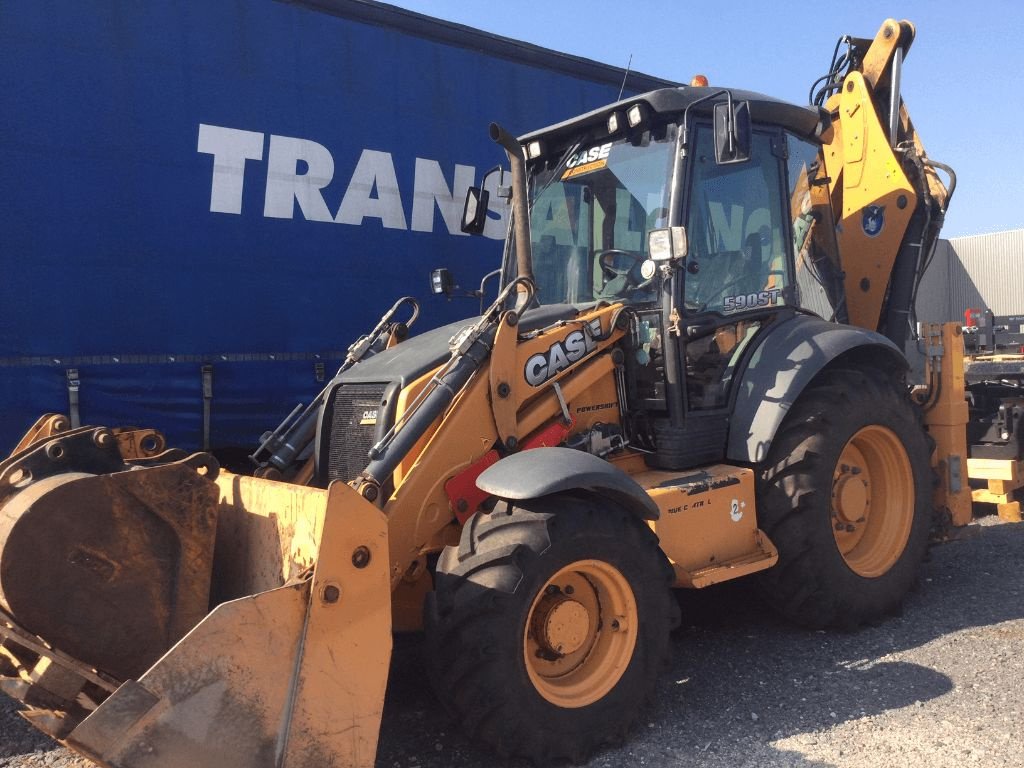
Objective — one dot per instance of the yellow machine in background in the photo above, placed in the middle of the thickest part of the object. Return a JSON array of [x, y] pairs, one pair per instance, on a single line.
[[686, 378]]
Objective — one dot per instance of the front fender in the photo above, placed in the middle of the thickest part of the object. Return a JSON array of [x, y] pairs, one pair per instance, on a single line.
[[789, 356], [545, 471]]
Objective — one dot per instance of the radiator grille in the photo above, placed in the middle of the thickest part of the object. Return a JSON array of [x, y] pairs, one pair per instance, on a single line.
[[352, 414]]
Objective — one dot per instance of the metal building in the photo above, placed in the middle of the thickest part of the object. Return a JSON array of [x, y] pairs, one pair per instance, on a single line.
[[975, 271]]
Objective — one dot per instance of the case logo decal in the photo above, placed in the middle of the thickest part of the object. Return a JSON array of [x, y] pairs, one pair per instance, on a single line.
[[587, 160], [560, 355]]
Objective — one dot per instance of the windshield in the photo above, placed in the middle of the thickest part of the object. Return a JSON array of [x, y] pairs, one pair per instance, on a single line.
[[591, 209]]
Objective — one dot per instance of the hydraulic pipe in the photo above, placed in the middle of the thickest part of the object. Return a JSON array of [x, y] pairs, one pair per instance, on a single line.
[[296, 432], [894, 97], [449, 383], [470, 350]]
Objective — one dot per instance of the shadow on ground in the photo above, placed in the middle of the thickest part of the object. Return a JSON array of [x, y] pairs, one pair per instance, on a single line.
[[740, 675], [739, 678]]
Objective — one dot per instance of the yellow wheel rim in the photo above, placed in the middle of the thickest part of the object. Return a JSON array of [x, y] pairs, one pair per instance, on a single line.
[[580, 633], [872, 501]]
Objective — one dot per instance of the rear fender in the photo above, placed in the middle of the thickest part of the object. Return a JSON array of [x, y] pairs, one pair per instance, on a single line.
[[791, 354]]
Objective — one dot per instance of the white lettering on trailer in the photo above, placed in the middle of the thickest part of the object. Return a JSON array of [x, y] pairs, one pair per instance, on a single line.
[[299, 170], [230, 148], [374, 171], [431, 189], [285, 185]]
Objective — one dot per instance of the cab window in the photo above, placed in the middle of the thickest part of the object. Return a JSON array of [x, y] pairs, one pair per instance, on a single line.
[[591, 209], [816, 256], [736, 230]]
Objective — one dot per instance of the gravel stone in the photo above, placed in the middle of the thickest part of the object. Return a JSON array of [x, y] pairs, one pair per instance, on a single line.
[[938, 686]]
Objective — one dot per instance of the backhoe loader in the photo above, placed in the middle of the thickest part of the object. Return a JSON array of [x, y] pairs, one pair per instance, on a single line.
[[701, 365]]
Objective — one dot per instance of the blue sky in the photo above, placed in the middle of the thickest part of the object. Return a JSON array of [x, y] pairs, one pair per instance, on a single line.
[[960, 80]]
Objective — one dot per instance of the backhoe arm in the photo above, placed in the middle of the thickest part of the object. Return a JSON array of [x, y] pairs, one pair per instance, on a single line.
[[887, 198]]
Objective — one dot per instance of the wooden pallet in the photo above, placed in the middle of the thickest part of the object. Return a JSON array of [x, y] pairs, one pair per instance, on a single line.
[[1005, 480]]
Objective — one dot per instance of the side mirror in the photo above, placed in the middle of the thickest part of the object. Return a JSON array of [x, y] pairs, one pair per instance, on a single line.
[[474, 214], [441, 282], [732, 132], [664, 245]]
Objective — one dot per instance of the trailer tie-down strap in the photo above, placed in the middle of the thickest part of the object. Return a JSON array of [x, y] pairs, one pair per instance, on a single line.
[[74, 383], [207, 399]]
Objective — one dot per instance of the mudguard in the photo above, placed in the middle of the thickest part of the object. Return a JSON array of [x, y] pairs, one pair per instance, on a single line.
[[789, 356], [544, 471]]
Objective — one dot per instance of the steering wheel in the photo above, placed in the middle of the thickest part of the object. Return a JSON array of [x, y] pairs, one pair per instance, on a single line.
[[613, 272], [606, 259]]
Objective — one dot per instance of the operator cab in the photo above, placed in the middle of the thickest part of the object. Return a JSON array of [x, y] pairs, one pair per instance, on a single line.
[[734, 183]]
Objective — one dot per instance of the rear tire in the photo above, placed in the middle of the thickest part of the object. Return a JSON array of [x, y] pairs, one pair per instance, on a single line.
[[549, 625], [845, 495]]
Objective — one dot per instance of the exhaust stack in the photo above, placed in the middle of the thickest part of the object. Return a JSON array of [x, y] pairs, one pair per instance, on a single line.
[[520, 205]]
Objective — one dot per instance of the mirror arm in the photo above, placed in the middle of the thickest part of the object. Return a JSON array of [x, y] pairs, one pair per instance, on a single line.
[[686, 112], [483, 282]]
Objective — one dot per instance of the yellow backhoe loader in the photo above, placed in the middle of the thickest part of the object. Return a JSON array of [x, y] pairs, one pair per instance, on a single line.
[[702, 365]]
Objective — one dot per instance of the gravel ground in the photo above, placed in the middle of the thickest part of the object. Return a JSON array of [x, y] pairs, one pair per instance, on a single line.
[[940, 685]]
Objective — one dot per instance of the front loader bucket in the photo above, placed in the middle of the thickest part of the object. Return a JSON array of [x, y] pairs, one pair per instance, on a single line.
[[294, 676], [108, 570]]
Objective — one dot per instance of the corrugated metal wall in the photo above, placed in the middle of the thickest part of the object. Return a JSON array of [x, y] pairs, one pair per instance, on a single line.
[[985, 271]]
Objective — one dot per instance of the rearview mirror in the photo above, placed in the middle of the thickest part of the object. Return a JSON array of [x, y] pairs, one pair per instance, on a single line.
[[732, 132], [474, 214]]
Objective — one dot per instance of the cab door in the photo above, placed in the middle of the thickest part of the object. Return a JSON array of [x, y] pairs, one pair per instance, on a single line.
[[737, 277]]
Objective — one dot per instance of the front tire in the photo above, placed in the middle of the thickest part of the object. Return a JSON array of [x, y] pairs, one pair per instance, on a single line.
[[549, 625], [845, 495]]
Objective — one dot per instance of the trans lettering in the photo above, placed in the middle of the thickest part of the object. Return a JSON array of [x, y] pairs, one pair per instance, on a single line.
[[299, 170]]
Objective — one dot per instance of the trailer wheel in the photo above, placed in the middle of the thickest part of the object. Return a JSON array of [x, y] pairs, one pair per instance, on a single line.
[[845, 495], [549, 625]]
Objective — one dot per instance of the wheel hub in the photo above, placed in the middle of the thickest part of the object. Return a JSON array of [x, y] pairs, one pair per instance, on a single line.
[[850, 498], [580, 634], [561, 625], [872, 501]]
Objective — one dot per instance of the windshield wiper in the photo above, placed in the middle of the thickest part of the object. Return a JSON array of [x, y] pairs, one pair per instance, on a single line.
[[556, 171]]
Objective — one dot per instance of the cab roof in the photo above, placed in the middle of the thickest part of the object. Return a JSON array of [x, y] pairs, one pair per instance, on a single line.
[[808, 122]]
